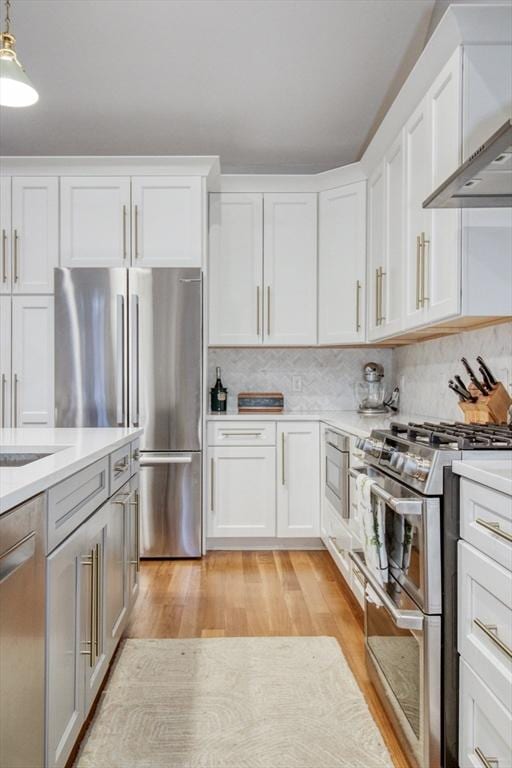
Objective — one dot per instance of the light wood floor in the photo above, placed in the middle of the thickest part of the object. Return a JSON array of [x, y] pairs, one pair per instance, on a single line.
[[230, 594]]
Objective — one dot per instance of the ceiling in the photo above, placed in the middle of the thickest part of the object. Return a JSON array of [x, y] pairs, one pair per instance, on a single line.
[[286, 86]]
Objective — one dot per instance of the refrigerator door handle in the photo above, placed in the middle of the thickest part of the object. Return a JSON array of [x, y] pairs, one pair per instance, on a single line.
[[152, 461], [120, 359], [135, 360]]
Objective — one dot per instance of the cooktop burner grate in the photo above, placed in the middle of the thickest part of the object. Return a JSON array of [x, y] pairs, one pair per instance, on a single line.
[[463, 437]]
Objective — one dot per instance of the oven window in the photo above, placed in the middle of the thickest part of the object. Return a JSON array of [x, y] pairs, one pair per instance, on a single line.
[[404, 542], [333, 477], [397, 652]]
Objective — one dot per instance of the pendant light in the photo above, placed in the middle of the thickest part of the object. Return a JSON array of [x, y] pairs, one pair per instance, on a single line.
[[16, 90]]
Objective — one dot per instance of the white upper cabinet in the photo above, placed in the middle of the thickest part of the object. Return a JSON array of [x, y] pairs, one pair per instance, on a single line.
[[35, 234], [5, 234], [342, 264], [167, 221], [376, 247], [235, 271], [95, 221], [5, 361], [298, 483], [290, 269], [32, 361]]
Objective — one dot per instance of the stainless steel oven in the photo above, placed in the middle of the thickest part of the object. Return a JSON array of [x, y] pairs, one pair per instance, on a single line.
[[403, 617], [336, 468]]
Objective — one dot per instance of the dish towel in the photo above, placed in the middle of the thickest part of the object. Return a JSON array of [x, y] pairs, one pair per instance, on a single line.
[[372, 513]]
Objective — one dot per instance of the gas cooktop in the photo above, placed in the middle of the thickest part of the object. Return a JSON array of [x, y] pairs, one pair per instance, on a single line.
[[455, 435]]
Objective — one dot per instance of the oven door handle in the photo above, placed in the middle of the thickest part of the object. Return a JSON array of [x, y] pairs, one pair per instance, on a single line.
[[404, 619], [402, 506]]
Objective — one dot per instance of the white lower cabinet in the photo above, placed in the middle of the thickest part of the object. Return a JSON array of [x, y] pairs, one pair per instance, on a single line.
[[5, 361], [298, 488], [242, 494]]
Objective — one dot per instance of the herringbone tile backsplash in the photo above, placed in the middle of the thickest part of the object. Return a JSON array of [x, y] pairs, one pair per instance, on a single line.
[[328, 375]]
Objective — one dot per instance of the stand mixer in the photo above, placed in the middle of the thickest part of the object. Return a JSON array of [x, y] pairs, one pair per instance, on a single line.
[[370, 392]]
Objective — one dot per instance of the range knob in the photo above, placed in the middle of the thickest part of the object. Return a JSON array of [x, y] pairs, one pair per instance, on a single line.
[[360, 443], [374, 447], [410, 465], [397, 461], [422, 469]]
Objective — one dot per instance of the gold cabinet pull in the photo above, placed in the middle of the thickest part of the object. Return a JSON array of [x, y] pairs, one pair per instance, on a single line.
[[136, 504], [15, 400], [358, 303], [381, 302], [376, 297], [16, 239], [136, 232], [212, 484], [268, 310], [283, 459], [487, 762], [4, 256], [97, 624], [424, 242], [89, 562], [418, 271], [124, 232], [4, 384], [494, 528], [257, 310], [491, 631]]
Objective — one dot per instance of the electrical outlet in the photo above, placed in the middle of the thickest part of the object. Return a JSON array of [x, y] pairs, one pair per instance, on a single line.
[[297, 383]]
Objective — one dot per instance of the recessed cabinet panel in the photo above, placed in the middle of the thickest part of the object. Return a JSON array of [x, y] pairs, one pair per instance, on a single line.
[[32, 361], [242, 494], [392, 282], [236, 269], [290, 269], [95, 221], [342, 264], [376, 248], [166, 221], [35, 233], [5, 234], [298, 480], [5, 361]]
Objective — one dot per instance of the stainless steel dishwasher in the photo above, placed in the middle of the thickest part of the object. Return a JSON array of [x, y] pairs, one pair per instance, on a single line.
[[22, 625]]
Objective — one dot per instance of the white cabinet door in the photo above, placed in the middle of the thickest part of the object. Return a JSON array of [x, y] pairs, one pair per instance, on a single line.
[[242, 492], [342, 264], [290, 269], [95, 221], [442, 267], [376, 247], [417, 219], [132, 542], [392, 281], [35, 233], [5, 234], [235, 272], [116, 593], [5, 361], [298, 484], [32, 361], [167, 221], [66, 572]]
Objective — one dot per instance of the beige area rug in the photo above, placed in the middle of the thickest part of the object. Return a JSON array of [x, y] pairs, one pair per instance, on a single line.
[[255, 702]]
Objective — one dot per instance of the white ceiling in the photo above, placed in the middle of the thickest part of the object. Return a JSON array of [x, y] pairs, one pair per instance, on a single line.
[[269, 85]]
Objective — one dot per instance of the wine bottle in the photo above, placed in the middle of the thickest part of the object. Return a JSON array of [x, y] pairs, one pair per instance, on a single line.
[[219, 395]]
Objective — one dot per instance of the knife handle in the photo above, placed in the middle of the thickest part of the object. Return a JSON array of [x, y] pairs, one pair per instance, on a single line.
[[486, 379]]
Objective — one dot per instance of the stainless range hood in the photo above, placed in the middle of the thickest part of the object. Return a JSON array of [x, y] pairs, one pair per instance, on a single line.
[[484, 180]]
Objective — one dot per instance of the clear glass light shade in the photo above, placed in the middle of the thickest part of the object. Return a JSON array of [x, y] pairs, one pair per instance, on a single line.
[[16, 90]]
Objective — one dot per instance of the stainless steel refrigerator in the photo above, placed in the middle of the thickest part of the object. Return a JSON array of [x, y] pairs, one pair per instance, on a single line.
[[128, 352]]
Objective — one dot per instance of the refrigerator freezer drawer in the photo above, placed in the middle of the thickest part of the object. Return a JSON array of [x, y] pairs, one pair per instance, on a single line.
[[170, 496]]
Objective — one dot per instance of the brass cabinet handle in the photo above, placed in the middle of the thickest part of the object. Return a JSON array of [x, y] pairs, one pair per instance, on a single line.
[[136, 504], [424, 243], [490, 630], [124, 232], [15, 400], [4, 256], [268, 310], [16, 239], [89, 561], [257, 310], [381, 303], [120, 466], [136, 232], [212, 484], [4, 384], [283, 460], [486, 761], [494, 528], [97, 643], [376, 297], [358, 302], [418, 271]]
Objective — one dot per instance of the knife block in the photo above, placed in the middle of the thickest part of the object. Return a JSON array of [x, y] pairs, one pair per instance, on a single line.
[[488, 409]]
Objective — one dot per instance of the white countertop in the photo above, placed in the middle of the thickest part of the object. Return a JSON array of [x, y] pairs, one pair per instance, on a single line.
[[347, 421], [493, 473], [76, 449]]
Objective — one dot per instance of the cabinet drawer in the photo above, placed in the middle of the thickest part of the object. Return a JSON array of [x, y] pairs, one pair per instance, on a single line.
[[120, 467], [485, 724], [485, 619], [481, 510], [242, 433], [73, 500]]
